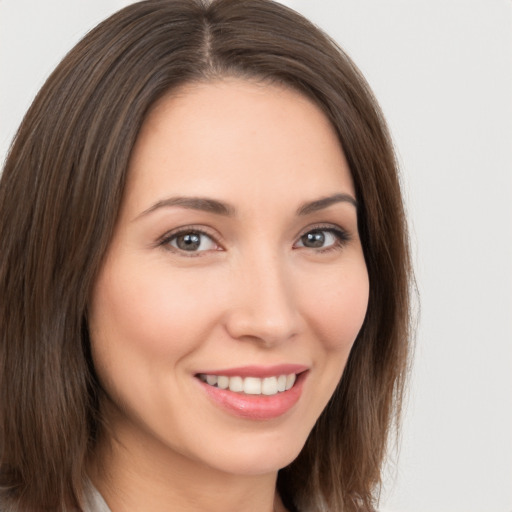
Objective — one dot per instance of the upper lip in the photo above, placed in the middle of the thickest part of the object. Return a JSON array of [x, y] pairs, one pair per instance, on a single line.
[[258, 371]]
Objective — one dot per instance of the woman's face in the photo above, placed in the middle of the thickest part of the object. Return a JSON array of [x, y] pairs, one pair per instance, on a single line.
[[235, 262]]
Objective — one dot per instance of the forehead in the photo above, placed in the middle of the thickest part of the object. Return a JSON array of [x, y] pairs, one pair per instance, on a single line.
[[236, 138]]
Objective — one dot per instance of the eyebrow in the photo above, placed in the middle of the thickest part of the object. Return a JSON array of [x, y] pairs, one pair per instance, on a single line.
[[193, 203], [325, 202], [206, 204]]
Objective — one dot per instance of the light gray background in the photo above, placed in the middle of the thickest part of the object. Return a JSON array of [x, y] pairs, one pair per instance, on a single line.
[[442, 70]]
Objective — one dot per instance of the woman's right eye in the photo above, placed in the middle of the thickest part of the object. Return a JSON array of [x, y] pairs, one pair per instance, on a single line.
[[190, 241]]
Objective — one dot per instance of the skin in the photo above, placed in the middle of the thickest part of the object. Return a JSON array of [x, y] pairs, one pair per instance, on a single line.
[[254, 293]]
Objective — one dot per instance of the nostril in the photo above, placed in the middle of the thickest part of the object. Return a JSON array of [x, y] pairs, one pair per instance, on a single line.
[[262, 305], [257, 325]]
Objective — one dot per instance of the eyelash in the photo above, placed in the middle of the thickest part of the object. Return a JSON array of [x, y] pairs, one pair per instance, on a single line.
[[342, 237], [166, 240]]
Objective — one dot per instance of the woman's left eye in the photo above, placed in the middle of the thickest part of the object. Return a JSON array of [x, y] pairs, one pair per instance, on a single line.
[[191, 241], [322, 238]]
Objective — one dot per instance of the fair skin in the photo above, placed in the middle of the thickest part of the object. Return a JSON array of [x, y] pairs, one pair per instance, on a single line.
[[236, 254]]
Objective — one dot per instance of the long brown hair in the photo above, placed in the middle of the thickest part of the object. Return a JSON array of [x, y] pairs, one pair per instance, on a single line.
[[59, 197]]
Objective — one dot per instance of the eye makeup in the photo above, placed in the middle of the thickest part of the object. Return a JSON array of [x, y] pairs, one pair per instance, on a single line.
[[193, 240]]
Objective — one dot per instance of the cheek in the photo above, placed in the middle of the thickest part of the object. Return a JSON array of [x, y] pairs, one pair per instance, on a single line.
[[150, 314], [338, 308], [162, 314]]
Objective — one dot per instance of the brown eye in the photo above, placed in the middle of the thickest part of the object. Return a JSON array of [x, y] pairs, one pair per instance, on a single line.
[[191, 241], [314, 239], [325, 238]]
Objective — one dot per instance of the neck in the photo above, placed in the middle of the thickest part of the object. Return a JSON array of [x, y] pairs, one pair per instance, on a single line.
[[142, 476]]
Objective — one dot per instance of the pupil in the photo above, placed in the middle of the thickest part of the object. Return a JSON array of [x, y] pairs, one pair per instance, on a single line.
[[314, 239], [189, 242]]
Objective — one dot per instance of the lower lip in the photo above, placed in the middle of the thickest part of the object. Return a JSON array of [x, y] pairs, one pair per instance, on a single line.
[[256, 407]]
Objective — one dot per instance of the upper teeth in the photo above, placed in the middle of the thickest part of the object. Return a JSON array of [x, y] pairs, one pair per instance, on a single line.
[[251, 385]]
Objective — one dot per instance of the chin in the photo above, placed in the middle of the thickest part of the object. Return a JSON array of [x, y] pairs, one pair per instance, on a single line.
[[257, 454]]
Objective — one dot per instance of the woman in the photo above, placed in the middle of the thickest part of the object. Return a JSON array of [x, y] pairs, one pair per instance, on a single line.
[[204, 271]]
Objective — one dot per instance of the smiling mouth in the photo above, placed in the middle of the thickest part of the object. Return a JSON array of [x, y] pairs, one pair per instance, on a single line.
[[267, 386]]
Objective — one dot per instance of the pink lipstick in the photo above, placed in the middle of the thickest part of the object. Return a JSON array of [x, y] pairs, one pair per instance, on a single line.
[[255, 392]]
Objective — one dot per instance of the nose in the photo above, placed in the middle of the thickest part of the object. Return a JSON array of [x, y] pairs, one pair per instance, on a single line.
[[263, 305]]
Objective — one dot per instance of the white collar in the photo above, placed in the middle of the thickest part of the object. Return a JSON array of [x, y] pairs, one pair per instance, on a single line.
[[94, 501]]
